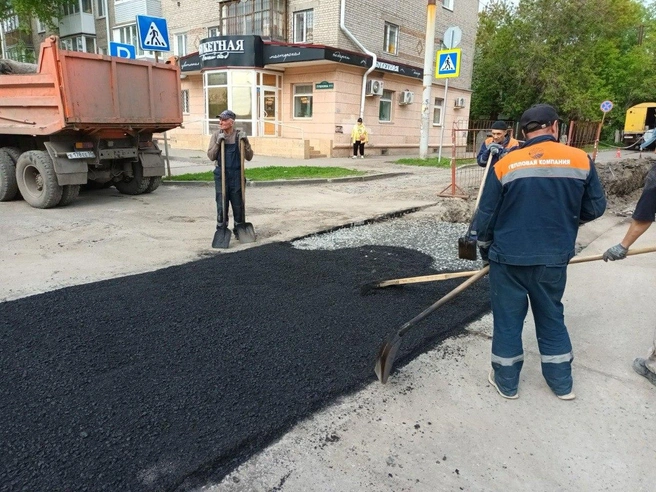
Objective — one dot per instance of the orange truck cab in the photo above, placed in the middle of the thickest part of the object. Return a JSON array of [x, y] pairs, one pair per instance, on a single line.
[[84, 119]]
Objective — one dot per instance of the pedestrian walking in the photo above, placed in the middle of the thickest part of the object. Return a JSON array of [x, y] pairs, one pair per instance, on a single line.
[[642, 218], [359, 137], [233, 178], [497, 144], [533, 202]]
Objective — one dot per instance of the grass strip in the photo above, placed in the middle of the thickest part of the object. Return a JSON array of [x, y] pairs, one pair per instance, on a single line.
[[272, 173], [444, 162]]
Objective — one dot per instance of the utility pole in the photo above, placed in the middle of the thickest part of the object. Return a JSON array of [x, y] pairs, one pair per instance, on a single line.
[[428, 78]]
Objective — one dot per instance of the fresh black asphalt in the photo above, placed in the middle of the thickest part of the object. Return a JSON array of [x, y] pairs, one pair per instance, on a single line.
[[168, 380]]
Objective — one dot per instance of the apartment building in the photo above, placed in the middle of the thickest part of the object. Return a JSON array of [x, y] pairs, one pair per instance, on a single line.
[[298, 73]]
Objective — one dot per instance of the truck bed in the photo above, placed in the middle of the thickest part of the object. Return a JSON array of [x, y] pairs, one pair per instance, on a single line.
[[88, 92]]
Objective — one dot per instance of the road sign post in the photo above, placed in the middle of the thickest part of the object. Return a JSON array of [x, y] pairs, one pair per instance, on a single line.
[[447, 65]]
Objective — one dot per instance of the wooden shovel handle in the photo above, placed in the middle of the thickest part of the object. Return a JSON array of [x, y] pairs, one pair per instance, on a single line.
[[426, 278], [637, 251]]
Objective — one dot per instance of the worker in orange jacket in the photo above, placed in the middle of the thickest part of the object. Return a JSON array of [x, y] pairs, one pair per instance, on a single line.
[[497, 145]]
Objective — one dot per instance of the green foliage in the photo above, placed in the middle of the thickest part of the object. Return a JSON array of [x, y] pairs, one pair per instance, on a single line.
[[571, 54], [271, 173], [45, 10]]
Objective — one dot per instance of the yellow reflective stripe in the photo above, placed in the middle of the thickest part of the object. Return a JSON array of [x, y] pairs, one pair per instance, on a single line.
[[507, 361], [557, 359]]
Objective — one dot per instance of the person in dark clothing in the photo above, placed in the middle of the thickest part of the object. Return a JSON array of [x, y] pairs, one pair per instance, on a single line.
[[534, 200], [643, 217], [234, 179], [498, 144]]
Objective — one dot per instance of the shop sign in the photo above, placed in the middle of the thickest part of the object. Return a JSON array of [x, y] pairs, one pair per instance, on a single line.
[[324, 85]]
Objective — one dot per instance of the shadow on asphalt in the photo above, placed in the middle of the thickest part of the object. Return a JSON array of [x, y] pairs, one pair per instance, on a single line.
[[169, 380]]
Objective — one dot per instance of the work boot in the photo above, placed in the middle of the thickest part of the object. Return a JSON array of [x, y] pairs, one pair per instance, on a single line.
[[640, 367], [490, 378], [234, 231]]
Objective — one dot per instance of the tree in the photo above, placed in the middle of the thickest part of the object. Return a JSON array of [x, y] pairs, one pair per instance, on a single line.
[[571, 54], [44, 10]]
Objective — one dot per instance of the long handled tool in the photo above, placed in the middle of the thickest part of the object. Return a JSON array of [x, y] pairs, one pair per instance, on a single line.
[[245, 230], [389, 349], [222, 235], [467, 249], [366, 288]]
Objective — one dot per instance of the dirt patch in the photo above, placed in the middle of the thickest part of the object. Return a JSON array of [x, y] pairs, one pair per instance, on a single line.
[[623, 181]]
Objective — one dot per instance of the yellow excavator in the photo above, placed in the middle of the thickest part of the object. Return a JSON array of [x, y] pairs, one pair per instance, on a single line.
[[640, 126]]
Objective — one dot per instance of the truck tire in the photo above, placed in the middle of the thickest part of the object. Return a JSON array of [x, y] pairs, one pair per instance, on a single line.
[[135, 185], [155, 181], [69, 193], [8, 185], [37, 180], [14, 153]]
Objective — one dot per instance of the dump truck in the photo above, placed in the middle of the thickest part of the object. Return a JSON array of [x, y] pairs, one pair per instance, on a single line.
[[84, 120], [639, 125]]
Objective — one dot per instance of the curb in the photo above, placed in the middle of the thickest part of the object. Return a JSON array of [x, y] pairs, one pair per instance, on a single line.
[[281, 182]]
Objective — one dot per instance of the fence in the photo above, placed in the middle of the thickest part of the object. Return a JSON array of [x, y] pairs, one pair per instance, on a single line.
[[468, 136]]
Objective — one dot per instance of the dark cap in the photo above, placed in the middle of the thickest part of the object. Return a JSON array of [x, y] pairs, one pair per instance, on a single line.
[[227, 115], [499, 125], [359, 120], [537, 117]]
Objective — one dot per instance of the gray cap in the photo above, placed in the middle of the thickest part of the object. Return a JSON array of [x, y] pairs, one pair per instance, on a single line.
[[227, 115]]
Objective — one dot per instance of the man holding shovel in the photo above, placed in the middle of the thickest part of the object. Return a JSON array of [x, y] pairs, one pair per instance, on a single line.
[[642, 218], [534, 200], [496, 145], [233, 183]]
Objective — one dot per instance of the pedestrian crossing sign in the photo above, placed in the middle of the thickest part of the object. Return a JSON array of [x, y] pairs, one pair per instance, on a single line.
[[153, 33], [447, 63]]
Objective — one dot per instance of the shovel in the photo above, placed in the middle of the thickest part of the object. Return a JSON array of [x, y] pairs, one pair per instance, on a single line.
[[389, 349], [244, 231], [467, 249], [222, 235]]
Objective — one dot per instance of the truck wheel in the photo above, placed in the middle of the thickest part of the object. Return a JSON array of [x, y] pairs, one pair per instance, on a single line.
[[135, 185], [69, 193], [8, 185], [155, 181], [37, 180], [14, 153]]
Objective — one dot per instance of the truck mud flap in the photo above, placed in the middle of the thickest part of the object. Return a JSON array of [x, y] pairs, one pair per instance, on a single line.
[[153, 164], [69, 171]]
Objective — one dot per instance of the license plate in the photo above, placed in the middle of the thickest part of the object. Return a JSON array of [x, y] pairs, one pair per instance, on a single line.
[[83, 154]]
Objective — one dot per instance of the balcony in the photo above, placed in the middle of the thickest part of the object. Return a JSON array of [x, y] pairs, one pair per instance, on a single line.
[[79, 23], [127, 10]]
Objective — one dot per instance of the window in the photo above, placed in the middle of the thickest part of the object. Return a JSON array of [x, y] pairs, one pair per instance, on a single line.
[[385, 106], [86, 7], [447, 4], [71, 9], [180, 45], [437, 111], [79, 43], [185, 101], [391, 38], [303, 101], [40, 26], [303, 23], [100, 8], [213, 32], [10, 24], [128, 35], [260, 17]]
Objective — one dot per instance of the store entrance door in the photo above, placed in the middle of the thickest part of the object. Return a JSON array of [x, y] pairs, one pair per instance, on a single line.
[[269, 112]]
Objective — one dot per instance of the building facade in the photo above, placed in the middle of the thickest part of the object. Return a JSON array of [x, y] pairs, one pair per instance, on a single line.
[[298, 73]]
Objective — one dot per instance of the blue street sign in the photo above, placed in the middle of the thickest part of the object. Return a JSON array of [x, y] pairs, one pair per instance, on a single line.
[[122, 50], [447, 63], [606, 106], [153, 33]]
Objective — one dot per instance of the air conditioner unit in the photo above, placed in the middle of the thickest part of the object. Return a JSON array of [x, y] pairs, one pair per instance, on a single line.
[[460, 102], [375, 88], [406, 97]]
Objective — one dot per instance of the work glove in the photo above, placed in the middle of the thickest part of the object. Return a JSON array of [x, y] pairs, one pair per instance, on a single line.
[[617, 252], [495, 148]]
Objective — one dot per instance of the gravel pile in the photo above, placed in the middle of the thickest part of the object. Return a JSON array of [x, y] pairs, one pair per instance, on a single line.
[[439, 240]]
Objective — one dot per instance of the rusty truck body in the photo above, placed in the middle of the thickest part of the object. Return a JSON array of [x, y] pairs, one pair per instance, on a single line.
[[84, 119]]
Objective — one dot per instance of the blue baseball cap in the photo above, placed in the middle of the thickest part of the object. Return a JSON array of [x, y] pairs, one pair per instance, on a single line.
[[227, 115]]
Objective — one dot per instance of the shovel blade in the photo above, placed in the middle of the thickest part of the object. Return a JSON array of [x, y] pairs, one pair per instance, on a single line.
[[467, 249], [221, 238], [385, 359], [245, 232]]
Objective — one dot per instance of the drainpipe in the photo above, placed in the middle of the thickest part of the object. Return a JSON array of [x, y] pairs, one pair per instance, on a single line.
[[107, 24], [342, 9]]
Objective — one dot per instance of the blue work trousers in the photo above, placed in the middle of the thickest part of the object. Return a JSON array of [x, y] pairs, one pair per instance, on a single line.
[[511, 289], [232, 196]]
